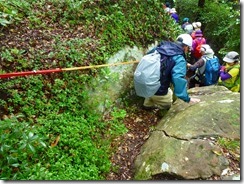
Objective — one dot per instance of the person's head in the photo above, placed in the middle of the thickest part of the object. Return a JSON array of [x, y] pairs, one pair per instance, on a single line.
[[186, 41], [196, 25], [172, 10], [206, 50], [186, 20], [198, 33], [167, 4], [231, 58]]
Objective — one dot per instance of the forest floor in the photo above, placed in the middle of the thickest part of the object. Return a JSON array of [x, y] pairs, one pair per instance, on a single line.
[[139, 125]]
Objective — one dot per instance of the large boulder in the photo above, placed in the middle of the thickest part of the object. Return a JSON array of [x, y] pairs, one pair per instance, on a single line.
[[183, 144]]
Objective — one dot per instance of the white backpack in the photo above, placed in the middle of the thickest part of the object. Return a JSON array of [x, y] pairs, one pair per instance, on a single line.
[[147, 75]]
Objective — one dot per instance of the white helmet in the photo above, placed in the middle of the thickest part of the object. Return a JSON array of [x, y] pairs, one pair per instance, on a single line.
[[185, 39], [231, 57], [205, 47]]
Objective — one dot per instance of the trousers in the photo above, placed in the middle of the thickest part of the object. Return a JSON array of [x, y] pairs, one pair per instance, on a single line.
[[159, 101]]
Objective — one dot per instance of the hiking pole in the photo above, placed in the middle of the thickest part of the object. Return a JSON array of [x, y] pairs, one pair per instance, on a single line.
[[36, 72]]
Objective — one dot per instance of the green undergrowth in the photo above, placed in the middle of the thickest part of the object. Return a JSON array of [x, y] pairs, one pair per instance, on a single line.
[[49, 132], [233, 147]]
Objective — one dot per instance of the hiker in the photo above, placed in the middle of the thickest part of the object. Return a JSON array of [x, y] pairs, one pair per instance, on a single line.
[[196, 45], [174, 15], [187, 26], [167, 7], [197, 80], [196, 26], [230, 72], [173, 73]]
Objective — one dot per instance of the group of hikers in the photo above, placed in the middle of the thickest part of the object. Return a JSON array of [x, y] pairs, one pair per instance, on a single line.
[[173, 70]]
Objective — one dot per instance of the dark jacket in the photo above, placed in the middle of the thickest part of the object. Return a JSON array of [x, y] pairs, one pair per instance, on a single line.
[[173, 70]]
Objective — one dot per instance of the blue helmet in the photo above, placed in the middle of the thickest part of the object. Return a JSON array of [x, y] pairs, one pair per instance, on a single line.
[[186, 19], [167, 4]]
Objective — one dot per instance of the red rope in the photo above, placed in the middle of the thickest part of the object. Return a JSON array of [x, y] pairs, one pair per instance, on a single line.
[[15, 74]]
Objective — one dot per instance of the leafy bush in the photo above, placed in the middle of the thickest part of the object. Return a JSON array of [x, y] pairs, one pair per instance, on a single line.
[[21, 146], [220, 22], [12, 11]]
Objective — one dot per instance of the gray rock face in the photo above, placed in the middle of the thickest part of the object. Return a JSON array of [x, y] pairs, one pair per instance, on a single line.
[[182, 144]]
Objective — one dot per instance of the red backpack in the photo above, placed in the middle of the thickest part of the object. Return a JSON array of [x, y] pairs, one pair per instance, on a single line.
[[197, 52]]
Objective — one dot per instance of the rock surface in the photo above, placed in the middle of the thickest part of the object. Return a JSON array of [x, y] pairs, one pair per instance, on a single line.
[[183, 144]]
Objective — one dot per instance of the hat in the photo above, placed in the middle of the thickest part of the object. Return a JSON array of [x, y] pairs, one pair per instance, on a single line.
[[231, 57], [198, 33], [172, 10], [196, 25]]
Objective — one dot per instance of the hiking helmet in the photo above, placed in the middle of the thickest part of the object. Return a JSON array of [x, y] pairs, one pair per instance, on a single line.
[[185, 39], [185, 19], [231, 57], [167, 4], [207, 49]]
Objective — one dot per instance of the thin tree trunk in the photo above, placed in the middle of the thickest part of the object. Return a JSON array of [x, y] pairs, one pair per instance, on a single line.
[[201, 3]]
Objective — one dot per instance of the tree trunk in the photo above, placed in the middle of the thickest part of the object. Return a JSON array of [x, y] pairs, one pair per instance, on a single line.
[[201, 3]]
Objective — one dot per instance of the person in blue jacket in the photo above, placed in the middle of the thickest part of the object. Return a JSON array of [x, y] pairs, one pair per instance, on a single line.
[[173, 72]]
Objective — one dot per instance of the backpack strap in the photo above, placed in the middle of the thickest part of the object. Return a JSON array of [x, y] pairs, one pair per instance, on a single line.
[[202, 69]]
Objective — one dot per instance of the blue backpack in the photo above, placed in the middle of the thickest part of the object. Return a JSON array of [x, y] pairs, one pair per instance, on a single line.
[[210, 75]]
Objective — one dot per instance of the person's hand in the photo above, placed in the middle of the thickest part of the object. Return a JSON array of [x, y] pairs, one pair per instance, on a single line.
[[222, 68], [188, 65], [194, 100]]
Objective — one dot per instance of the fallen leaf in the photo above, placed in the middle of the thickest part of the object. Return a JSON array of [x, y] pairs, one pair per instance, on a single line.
[[55, 142], [217, 152]]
